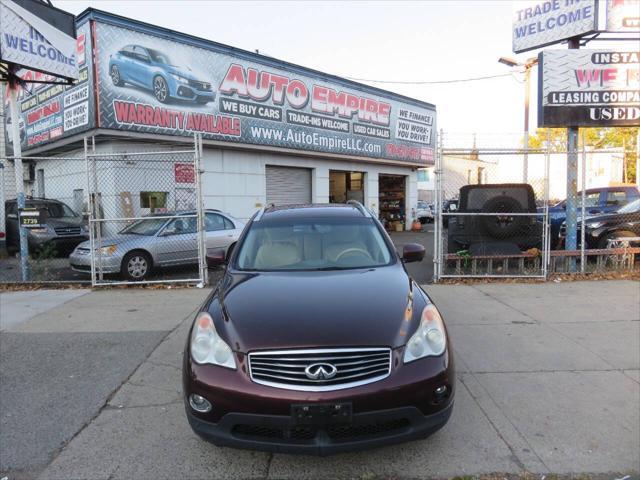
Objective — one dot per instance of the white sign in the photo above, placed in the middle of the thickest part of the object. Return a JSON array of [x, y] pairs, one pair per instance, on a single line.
[[597, 88], [623, 15], [76, 116], [537, 23], [28, 41]]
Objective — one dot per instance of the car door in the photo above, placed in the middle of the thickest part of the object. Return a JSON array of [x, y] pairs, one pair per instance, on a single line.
[[177, 242], [140, 66], [220, 230]]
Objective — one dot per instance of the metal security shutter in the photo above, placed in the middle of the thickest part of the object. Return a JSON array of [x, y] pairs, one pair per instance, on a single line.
[[287, 185]]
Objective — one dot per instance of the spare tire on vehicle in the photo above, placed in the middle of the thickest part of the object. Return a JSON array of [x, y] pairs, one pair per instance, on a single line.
[[502, 226]]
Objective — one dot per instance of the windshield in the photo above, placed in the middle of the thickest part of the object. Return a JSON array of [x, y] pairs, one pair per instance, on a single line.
[[54, 210], [148, 227], [159, 57], [313, 244], [632, 207]]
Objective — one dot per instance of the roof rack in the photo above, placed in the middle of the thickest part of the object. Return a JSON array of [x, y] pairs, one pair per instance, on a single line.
[[360, 207]]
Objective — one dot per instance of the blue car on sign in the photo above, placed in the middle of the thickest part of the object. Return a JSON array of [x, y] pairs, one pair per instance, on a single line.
[[153, 70]]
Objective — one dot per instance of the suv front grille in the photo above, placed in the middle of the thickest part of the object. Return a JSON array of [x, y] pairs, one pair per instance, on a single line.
[[67, 231], [295, 369], [204, 86]]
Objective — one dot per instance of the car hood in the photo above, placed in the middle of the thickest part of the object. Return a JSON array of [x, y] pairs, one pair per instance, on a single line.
[[314, 309], [181, 71], [65, 222]]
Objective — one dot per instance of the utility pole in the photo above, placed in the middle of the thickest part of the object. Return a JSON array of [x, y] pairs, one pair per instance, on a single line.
[[571, 242], [19, 173]]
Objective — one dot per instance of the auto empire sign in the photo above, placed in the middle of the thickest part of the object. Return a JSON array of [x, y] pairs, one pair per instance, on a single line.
[[156, 85], [539, 23], [594, 88], [31, 41]]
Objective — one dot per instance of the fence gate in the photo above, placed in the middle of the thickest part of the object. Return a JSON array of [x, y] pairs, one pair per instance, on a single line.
[[146, 217], [491, 212]]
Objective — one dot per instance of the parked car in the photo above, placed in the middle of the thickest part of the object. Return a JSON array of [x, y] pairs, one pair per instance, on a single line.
[[155, 71], [62, 229], [597, 201], [316, 340], [158, 241], [424, 212], [503, 233], [601, 231]]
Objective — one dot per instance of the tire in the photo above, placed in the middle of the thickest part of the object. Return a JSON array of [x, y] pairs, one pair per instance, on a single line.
[[116, 78], [136, 266], [604, 241], [502, 226], [160, 89]]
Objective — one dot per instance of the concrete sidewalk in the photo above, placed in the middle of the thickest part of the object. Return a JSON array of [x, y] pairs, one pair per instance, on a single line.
[[548, 382]]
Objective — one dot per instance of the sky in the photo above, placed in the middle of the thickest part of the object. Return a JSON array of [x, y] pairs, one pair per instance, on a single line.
[[381, 40]]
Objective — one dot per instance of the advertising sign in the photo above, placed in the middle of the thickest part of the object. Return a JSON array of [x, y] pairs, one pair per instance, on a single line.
[[34, 36], [184, 173], [538, 23], [51, 112], [623, 15], [152, 84], [591, 88]]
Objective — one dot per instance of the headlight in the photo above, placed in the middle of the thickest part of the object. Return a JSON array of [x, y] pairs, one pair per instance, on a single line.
[[179, 78], [207, 346], [594, 224], [108, 250], [84, 229], [429, 340]]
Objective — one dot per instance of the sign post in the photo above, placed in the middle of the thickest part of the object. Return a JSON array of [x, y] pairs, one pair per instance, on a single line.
[[571, 242], [19, 173]]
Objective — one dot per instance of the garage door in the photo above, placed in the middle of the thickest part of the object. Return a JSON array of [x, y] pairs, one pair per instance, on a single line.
[[287, 185]]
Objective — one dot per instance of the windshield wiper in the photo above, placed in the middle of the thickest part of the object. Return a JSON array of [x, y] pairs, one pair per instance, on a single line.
[[326, 269]]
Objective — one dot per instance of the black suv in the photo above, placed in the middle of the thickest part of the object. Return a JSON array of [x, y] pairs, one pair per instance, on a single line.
[[63, 228], [503, 233]]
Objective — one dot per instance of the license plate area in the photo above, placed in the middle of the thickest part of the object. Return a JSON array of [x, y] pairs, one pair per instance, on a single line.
[[321, 413]]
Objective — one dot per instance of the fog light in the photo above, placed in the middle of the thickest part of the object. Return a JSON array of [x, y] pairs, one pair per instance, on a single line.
[[441, 393], [199, 404]]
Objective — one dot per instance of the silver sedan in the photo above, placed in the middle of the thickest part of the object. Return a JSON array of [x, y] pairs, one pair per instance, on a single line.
[[157, 242]]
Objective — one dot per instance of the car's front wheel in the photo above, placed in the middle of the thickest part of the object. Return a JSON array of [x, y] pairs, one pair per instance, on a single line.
[[136, 266], [160, 89], [116, 78], [616, 239]]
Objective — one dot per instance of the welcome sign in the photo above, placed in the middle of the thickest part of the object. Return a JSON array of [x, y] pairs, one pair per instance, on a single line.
[[539, 23]]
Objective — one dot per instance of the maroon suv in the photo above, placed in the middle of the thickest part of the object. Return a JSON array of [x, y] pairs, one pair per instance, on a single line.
[[316, 340]]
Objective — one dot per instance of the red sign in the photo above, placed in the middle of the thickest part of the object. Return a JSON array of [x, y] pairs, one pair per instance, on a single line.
[[184, 173]]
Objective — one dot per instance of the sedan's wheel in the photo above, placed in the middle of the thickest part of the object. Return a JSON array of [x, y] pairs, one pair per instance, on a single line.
[[136, 266], [115, 76], [160, 89], [616, 240]]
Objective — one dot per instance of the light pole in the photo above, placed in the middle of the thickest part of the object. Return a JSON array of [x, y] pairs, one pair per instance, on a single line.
[[528, 65]]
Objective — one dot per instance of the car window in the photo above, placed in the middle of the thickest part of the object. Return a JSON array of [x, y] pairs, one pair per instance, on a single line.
[[159, 57], [633, 207], [140, 53], [146, 226], [313, 244], [183, 225], [11, 208], [214, 222], [228, 224], [591, 199], [54, 210], [616, 197]]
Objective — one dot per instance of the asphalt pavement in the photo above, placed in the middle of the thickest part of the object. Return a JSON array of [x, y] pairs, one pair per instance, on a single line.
[[548, 382]]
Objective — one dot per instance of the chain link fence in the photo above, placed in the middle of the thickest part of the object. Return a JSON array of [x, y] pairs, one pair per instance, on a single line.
[[502, 211], [146, 219], [57, 209]]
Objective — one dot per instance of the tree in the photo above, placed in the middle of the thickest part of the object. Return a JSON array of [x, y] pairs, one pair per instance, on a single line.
[[595, 138]]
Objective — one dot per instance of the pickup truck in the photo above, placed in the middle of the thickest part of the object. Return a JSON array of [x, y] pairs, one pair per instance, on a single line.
[[597, 201]]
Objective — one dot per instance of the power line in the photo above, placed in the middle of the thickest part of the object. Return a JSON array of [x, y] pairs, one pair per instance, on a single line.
[[457, 80]]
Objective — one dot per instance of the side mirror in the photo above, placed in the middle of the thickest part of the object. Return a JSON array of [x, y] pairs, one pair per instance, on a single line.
[[216, 258], [412, 252]]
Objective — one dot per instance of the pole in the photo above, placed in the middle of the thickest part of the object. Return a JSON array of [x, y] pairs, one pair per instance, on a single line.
[[638, 159], [527, 84], [571, 241], [19, 173]]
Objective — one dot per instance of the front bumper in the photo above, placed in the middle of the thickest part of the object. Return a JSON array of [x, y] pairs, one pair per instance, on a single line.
[[81, 262], [276, 433]]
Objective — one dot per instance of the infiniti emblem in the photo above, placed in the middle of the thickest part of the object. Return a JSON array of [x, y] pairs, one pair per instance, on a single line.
[[320, 371]]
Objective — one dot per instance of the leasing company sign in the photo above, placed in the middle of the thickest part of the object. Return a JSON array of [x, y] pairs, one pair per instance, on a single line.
[[537, 23], [591, 88]]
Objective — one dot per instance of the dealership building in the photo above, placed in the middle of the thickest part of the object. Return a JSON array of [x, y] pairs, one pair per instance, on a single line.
[[273, 132]]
